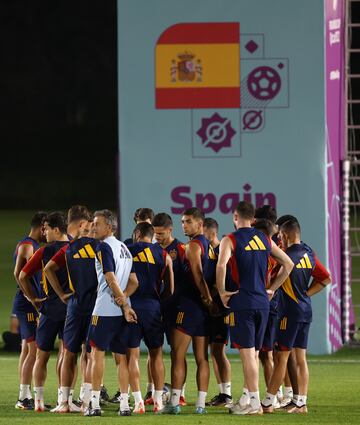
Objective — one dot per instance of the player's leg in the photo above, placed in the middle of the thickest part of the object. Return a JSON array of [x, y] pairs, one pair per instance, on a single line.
[[149, 399], [158, 373], [285, 340], [181, 342], [200, 347], [27, 325], [123, 380], [222, 370], [45, 337], [300, 346], [97, 373], [134, 336]]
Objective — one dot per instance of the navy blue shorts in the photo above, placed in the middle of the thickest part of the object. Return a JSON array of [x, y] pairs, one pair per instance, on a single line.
[[47, 332], [247, 328], [292, 334], [75, 331], [109, 333], [28, 323], [219, 330], [149, 327], [192, 319], [270, 333]]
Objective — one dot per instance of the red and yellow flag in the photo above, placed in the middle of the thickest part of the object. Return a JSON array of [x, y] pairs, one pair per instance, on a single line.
[[197, 65]]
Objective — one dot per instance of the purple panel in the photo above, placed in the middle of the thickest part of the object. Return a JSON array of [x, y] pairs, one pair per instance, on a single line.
[[334, 33]]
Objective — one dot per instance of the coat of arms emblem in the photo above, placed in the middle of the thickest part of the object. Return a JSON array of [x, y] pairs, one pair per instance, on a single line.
[[186, 68]]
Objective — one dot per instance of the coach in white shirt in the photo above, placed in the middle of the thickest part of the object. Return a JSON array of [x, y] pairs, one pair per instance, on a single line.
[[112, 311]]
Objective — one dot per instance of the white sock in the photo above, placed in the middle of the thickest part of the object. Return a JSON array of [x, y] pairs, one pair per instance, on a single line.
[[244, 399], [295, 397], [280, 394], [183, 390], [59, 398], [301, 400], [24, 391], [220, 387], [226, 388], [201, 399], [81, 395], [268, 400], [137, 396], [95, 399], [39, 394], [288, 392], [158, 397], [254, 399], [150, 387], [64, 391], [71, 394], [87, 393], [124, 401], [175, 397]]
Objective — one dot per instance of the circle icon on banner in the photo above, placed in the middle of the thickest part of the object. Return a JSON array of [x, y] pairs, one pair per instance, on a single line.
[[253, 120], [216, 132], [264, 83]]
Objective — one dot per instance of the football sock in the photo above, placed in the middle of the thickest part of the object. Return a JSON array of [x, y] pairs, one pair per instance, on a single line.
[[226, 388], [201, 399], [175, 397], [268, 400], [254, 399], [95, 399]]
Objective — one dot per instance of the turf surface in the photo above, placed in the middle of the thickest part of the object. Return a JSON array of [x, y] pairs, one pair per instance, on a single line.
[[334, 380]]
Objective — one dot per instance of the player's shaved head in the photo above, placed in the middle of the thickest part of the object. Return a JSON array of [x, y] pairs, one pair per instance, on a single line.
[[284, 218], [245, 210], [291, 228], [196, 213], [162, 220], [37, 219], [144, 230], [211, 224], [266, 212]]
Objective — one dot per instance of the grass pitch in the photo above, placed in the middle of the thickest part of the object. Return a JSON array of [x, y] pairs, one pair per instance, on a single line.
[[333, 395], [334, 379]]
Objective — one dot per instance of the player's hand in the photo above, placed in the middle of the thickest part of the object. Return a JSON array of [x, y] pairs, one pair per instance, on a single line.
[[270, 293], [214, 310], [129, 314], [37, 302], [65, 297], [120, 300], [225, 297]]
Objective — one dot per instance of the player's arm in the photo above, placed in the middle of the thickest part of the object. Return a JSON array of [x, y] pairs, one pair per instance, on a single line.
[[286, 266], [193, 254], [30, 268], [56, 263], [131, 287], [321, 278], [25, 251], [225, 252], [168, 277]]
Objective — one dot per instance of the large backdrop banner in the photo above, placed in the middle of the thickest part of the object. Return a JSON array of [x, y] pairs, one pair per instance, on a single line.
[[222, 101]]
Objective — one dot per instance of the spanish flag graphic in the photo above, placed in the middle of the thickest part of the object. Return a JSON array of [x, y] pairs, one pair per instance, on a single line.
[[197, 65]]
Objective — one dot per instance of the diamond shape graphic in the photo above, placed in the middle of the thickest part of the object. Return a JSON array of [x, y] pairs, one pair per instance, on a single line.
[[251, 46]]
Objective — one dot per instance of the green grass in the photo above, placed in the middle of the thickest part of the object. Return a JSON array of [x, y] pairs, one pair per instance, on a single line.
[[334, 380], [334, 383]]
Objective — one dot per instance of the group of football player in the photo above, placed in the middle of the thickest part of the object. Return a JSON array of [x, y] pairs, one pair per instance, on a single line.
[[252, 289]]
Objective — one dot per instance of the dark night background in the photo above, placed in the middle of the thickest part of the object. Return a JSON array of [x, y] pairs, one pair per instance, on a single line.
[[58, 102]]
